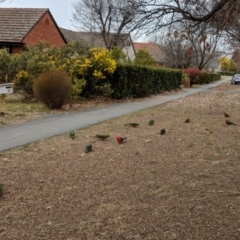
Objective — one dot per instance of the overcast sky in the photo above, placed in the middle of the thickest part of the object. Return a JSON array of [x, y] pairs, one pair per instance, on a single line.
[[60, 9]]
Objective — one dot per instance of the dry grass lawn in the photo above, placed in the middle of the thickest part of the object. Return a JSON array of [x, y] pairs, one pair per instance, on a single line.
[[181, 185]]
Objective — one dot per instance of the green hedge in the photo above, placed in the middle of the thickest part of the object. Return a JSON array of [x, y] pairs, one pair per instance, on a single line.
[[225, 73], [205, 77], [131, 80]]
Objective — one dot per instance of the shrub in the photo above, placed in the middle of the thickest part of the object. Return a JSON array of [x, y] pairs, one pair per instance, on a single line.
[[41, 57], [203, 77], [130, 80], [143, 57], [193, 74], [4, 62], [97, 67], [118, 55], [53, 88]]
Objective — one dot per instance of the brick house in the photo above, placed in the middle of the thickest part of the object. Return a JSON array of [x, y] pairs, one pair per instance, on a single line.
[[154, 50], [95, 39], [20, 27]]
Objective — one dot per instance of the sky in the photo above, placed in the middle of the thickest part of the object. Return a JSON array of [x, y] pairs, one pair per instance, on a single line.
[[61, 10]]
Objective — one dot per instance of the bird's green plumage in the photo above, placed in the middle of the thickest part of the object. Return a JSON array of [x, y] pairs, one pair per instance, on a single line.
[[163, 131], [229, 122], [133, 124], [1, 186], [102, 136], [72, 134], [151, 122], [88, 148]]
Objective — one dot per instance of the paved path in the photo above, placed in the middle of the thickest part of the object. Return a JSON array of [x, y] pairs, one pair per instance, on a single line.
[[53, 125]]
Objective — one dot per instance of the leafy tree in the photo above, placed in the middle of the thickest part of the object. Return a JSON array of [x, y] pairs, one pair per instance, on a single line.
[[232, 66], [224, 63], [144, 58], [118, 55]]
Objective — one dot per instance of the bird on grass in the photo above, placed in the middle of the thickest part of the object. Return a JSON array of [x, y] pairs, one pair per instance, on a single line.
[[132, 124], [163, 131], [226, 115], [1, 187], [120, 139], [101, 136], [151, 122], [229, 122], [72, 134], [187, 120], [88, 148]]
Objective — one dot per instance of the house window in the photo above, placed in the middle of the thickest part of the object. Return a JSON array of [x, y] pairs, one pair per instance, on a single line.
[[8, 47]]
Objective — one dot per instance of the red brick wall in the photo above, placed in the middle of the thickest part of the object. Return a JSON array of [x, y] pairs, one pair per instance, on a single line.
[[45, 30], [17, 49]]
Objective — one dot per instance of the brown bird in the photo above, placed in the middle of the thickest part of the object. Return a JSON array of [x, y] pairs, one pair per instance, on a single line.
[[229, 122], [226, 115]]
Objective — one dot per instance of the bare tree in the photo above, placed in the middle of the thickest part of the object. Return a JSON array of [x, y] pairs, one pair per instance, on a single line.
[[161, 13], [106, 17], [190, 48], [177, 48]]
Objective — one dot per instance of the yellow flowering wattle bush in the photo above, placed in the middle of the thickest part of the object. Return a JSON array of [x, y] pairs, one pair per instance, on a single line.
[[88, 68], [96, 68]]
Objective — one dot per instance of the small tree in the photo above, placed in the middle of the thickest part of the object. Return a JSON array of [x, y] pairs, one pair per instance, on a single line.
[[118, 55], [224, 63], [144, 58]]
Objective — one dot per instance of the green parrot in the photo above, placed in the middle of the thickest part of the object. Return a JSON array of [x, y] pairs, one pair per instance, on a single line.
[[72, 134], [132, 124], [1, 186], [151, 122], [163, 131], [101, 136], [229, 122], [88, 148]]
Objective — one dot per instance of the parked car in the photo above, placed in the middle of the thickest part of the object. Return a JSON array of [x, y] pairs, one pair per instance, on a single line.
[[235, 79]]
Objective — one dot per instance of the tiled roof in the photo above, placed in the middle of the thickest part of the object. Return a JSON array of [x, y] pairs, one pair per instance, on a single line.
[[93, 39], [154, 50], [15, 23]]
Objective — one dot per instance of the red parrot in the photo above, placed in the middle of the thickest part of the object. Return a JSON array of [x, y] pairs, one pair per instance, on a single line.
[[120, 139], [225, 114]]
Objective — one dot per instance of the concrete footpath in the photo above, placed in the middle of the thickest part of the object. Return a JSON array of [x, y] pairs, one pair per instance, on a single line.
[[57, 124]]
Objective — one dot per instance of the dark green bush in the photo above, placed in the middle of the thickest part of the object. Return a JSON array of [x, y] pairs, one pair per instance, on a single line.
[[130, 80], [205, 77], [225, 73], [53, 88]]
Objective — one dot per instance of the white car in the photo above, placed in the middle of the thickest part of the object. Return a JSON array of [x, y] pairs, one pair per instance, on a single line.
[[235, 79]]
